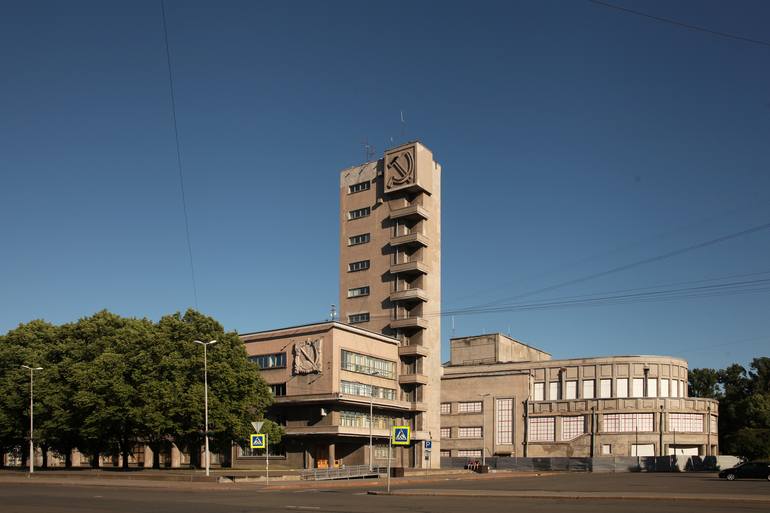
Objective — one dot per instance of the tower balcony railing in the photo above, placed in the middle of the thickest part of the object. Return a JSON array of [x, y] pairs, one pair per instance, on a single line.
[[409, 239], [415, 266]]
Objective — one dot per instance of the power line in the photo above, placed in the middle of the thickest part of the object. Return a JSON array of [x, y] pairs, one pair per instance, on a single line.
[[178, 153], [668, 292], [682, 24], [620, 248], [631, 265]]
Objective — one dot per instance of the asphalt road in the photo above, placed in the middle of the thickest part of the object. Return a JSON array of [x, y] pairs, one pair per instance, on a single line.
[[37, 496]]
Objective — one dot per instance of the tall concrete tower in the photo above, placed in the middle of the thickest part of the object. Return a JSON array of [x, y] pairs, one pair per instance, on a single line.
[[390, 272]]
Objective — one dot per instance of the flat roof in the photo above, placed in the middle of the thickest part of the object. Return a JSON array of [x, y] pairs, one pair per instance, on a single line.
[[555, 361], [502, 335], [337, 324]]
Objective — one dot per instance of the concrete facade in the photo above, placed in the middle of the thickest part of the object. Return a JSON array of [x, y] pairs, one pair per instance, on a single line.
[[390, 270], [524, 403], [325, 376]]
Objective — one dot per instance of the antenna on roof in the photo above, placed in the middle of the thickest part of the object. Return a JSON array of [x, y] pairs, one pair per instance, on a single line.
[[403, 127], [368, 150], [453, 326], [333, 312]]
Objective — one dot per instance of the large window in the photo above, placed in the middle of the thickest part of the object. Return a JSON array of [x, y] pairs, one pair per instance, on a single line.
[[469, 407], [358, 291], [278, 389], [685, 422], [446, 408], [469, 453], [588, 389], [571, 390], [539, 392], [366, 390], [605, 390], [445, 453], [628, 422], [358, 318], [542, 429], [554, 392], [572, 427], [621, 387], [358, 187], [361, 265], [270, 361], [446, 432], [469, 432], [361, 420], [355, 240], [638, 387], [714, 424], [364, 364], [674, 388], [359, 213], [664, 388], [503, 421], [652, 387]]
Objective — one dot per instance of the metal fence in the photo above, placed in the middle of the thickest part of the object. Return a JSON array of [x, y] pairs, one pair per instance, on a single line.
[[347, 472], [598, 464]]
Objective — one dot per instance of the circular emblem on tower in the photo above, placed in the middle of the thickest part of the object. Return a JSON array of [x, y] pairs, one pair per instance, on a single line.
[[399, 168]]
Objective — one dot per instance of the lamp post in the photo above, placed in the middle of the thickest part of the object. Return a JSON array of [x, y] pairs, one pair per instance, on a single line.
[[206, 397], [371, 420], [31, 415], [483, 430]]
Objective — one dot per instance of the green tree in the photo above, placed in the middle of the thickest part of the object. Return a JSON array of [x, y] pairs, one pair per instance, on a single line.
[[237, 392], [704, 383], [22, 346]]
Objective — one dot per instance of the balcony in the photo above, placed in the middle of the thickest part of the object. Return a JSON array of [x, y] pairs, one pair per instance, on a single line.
[[415, 294], [410, 267], [413, 351], [409, 239], [409, 322], [410, 212], [413, 379]]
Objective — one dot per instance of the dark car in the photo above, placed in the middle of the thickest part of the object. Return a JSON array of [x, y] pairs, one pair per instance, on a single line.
[[748, 470]]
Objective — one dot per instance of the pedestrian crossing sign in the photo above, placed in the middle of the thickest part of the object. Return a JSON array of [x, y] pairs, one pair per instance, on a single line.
[[402, 435], [257, 441]]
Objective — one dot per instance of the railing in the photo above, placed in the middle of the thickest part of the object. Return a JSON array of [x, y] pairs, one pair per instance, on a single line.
[[347, 472]]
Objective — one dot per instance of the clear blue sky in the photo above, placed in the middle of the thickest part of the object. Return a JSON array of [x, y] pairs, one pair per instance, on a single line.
[[574, 139]]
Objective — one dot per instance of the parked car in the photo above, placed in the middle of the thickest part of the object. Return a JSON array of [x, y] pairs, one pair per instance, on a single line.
[[750, 470]]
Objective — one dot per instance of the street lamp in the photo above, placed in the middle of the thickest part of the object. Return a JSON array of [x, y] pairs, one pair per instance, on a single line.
[[371, 420], [483, 430], [206, 396], [31, 416]]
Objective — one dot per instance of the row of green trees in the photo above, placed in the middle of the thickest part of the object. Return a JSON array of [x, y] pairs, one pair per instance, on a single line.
[[744, 405], [109, 383]]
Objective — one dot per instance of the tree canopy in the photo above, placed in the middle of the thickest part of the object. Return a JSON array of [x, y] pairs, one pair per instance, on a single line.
[[744, 405], [109, 383]]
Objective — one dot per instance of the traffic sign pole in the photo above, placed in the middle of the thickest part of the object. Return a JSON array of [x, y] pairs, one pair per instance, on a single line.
[[267, 461], [390, 445]]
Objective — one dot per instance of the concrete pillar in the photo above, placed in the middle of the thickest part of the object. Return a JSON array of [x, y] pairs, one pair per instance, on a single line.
[[148, 456], [332, 456], [175, 456]]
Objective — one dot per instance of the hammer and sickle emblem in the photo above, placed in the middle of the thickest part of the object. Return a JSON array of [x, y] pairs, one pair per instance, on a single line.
[[403, 165]]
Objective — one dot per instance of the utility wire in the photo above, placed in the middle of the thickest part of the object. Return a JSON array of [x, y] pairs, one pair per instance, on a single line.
[[631, 265], [682, 24], [669, 292], [178, 153]]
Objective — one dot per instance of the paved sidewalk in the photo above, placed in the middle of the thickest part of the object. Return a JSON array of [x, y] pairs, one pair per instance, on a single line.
[[210, 484]]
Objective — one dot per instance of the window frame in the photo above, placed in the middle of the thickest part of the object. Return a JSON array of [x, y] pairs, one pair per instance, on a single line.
[[359, 213], [361, 238]]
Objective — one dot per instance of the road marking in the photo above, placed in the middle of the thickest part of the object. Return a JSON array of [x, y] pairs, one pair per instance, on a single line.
[[303, 507]]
